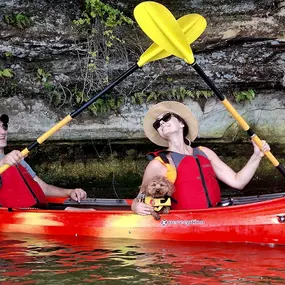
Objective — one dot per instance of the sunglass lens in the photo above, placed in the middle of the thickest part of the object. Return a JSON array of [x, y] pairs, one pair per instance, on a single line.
[[5, 127], [165, 118], [156, 124]]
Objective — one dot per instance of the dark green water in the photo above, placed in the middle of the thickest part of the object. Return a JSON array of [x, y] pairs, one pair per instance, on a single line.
[[114, 169], [55, 260]]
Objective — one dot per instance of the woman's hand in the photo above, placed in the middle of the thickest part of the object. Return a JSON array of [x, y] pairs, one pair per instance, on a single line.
[[78, 194], [258, 151], [12, 158], [143, 209]]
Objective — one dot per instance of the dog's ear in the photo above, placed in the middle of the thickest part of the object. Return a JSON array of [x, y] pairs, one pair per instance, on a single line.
[[143, 188], [171, 187]]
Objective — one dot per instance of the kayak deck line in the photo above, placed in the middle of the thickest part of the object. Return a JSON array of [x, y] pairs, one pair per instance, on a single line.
[[126, 203], [96, 203]]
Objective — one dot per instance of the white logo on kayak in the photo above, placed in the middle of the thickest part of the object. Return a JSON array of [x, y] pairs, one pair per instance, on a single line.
[[182, 222]]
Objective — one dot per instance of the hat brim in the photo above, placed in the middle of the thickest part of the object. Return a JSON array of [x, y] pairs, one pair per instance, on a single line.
[[173, 107]]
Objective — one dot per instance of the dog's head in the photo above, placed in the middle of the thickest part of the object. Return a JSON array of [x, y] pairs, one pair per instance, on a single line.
[[157, 187]]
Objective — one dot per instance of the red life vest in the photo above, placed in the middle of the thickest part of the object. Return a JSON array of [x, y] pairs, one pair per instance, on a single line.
[[196, 185], [19, 190], [195, 189]]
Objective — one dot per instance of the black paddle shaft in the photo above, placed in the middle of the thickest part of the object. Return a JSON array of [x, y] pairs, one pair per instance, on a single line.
[[105, 90], [91, 100], [208, 81]]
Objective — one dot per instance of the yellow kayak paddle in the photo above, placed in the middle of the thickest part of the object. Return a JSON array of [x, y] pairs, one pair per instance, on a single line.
[[188, 23], [161, 27]]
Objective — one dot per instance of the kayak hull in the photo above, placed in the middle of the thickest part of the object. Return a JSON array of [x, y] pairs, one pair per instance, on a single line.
[[261, 222]]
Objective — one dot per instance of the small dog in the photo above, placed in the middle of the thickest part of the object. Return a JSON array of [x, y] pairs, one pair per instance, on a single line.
[[158, 187]]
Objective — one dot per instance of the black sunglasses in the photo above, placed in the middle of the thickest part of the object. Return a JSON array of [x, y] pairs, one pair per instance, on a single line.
[[5, 127], [165, 119]]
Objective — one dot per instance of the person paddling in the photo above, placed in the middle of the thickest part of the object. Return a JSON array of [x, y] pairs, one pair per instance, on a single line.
[[194, 171], [15, 157]]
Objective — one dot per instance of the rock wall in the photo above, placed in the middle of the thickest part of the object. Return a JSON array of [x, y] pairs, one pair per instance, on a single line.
[[241, 49], [31, 118]]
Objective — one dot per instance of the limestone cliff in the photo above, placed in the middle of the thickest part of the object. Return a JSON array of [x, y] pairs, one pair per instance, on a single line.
[[242, 49]]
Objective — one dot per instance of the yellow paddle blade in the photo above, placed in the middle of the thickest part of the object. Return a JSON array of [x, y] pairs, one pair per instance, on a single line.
[[161, 27], [192, 25]]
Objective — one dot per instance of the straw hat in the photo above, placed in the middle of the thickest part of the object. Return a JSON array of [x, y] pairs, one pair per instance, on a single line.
[[173, 107]]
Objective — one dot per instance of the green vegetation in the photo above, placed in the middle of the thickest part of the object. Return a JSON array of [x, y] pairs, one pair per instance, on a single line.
[[108, 16], [103, 174], [19, 20], [246, 95], [178, 94], [99, 23], [6, 73], [44, 77], [113, 103], [102, 105], [8, 54]]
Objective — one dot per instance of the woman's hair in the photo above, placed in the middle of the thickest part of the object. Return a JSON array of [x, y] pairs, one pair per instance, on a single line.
[[185, 129]]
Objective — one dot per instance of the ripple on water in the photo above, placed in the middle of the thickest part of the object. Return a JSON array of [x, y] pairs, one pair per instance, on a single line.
[[56, 260]]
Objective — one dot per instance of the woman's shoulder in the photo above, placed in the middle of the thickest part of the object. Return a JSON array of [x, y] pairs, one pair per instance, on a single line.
[[209, 153], [157, 162]]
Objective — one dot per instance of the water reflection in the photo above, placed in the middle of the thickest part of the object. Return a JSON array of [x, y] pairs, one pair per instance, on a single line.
[[46, 260]]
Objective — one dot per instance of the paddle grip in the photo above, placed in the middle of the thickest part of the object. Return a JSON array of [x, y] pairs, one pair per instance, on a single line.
[[268, 154], [237, 117], [6, 166]]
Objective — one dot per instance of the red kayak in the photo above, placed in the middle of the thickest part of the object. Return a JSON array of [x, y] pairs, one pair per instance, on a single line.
[[255, 219]]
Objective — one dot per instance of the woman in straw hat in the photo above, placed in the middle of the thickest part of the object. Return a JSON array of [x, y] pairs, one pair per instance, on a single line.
[[194, 171]]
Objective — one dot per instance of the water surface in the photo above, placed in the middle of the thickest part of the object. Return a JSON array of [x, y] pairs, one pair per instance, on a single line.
[[55, 260]]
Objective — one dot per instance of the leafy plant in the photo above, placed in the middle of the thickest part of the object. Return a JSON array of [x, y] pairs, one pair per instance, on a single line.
[[7, 54], [20, 20], [246, 95], [6, 73], [106, 105], [108, 16], [138, 98], [178, 94], [42, 75]]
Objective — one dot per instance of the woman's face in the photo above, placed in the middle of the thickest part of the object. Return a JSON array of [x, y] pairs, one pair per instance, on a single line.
[[3, 135], [167, 124]]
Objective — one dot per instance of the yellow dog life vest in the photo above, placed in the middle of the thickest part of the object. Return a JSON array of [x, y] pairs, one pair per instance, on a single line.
[[157, 203]]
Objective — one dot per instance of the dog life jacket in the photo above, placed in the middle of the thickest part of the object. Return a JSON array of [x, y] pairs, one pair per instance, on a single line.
[[19, 190], [196, 186], [157, 203]]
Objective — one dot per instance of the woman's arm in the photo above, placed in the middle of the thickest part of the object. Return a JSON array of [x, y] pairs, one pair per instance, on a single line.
[[76, 194], [241, 178], [154, 168]]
